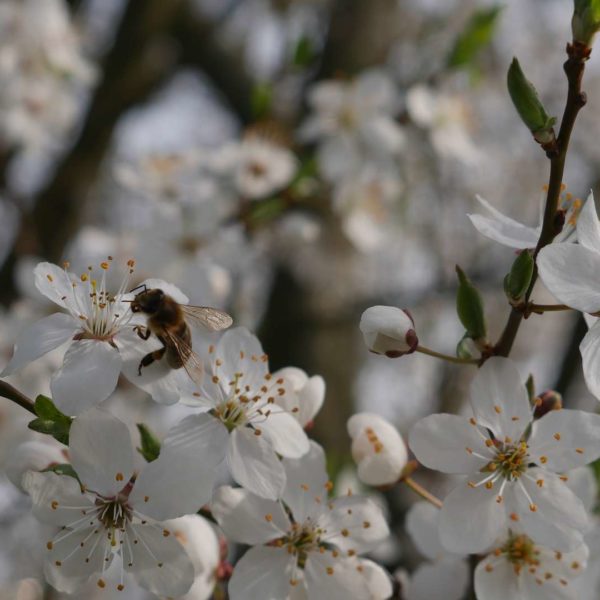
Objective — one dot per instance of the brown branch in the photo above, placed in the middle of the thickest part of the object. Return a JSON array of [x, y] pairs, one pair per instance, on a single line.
[[12, 393], [576, 99]]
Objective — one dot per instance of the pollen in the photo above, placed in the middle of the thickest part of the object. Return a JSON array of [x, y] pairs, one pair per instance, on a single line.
[[366, 524], [101, 583], [49, 545], [543, 459], [514, 517], [579, 450], [329, 570], [557, 437], [489, 568], [54, 504], [497, 409], [472, 421], [104, 266], [119, 476], [120, 587], [533, 507], [345, 532], [269, 518], [50, 278]]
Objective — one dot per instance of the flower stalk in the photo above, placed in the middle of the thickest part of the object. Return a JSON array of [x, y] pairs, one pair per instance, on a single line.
[[12, 393]]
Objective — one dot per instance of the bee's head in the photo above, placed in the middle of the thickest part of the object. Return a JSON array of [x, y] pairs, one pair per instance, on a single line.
[[148, 301]]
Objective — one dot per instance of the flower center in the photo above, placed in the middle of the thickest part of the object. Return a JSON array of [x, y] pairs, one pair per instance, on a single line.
[[521, 552], [231, 413], [113, 513], [511, 460], [302, 539]]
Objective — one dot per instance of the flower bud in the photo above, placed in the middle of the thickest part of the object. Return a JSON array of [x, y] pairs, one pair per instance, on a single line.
[[32, 456], [546, 402], [377, 448], [516, 283], [586, 21], [528, 105], [388, 330]]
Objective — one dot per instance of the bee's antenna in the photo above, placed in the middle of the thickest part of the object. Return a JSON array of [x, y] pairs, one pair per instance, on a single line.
[[143, 285]]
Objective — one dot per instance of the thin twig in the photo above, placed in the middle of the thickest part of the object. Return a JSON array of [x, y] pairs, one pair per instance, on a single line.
[[576, 99], [447, 357], [12, 393], [419, 489]]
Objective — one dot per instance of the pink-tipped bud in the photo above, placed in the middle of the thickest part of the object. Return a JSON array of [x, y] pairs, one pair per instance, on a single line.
[[389, 331]]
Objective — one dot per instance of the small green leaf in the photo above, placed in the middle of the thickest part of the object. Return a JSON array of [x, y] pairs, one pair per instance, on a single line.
[[528, 104], [516, 283], [464, 348], [261, 100], [469, 307], [266, 210], [150, 448], [304, 53], [51, 421], [62, 469], [530, 385], [586, 21], [476, 36]]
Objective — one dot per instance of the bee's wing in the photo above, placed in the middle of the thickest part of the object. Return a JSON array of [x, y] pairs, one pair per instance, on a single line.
[[192, 363], [212, 319]]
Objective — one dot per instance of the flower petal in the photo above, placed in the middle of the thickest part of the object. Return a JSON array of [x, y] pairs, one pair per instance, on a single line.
[[590, 356], [199, 435], [159, 562], [57, 285], [446, 443], [558, 519], [101, 453], [306, 480], [254, 464], [447, 579], [334, 579], [499, 399], [565, 439], [572, 273], [588, 225], [44, 335], [495, 579], [284, 433], [377, 579], [175, 484], [471, 519], [263, 573], [88, 376], [51, 493], [247, 518], [354, 523], [422, 524]]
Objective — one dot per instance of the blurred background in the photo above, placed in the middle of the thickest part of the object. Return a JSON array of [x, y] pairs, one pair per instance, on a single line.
[[291, 161]]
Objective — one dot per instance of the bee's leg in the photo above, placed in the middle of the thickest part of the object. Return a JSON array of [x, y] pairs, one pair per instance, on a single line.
[[150, 358], [143, 332]]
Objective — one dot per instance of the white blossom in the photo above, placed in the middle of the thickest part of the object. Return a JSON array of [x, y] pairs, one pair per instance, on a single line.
[[388, 330], [521, 569], [512, 478], [34, 455], [572, 273], [377, 448], [308, 394], [243, 422], [115, 513], [310, 551], [511, 233]]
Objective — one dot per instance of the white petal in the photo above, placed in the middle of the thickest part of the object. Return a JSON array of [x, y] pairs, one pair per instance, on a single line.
[[88, 376], [247, 518], [422, 524], [354, 523], [588, 225], [34, 455], [446, 579], [334, 579], [565, 439], [377, 579], [582, 482], [559, 519], [167, 288], [309, 396], [54, 283], [440, 442], [199, 435], [590, 356], [263, 573], [173, 485], [471, 519], [69, 564], [241, 352], [51, 493], [572, 274], [495, 579], [254, 464], [284, 433], [159, 562], [306, 479], [101, 453], [41, 337], [499, 399]]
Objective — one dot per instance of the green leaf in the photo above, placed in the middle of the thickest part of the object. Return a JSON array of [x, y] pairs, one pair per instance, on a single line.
[[261, 100], [150, 448], [62, 469], [266, 210], [476, 36], [530, 385], [464, 347], [528, 104], [469, 307], [50, 421], [586, 21], [516, 283], [304, 53]]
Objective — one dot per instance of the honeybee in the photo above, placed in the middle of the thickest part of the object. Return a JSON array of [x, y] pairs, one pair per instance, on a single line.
[[170, 322]]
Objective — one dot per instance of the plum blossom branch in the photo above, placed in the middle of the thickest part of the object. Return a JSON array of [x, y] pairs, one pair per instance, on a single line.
[[574, 67], [539, 309], [12, 393], [421, 491]]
